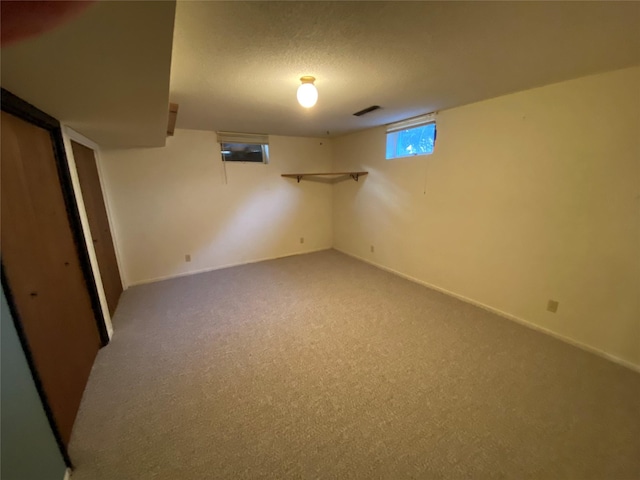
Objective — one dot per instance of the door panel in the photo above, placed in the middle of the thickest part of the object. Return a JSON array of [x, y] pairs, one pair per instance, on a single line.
[[42, 269], [98, 223]]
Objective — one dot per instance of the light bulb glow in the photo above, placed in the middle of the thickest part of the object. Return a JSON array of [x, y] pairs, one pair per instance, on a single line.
[[307, 92]]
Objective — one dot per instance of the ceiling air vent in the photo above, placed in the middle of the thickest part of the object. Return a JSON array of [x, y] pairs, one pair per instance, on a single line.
[[367, 110]]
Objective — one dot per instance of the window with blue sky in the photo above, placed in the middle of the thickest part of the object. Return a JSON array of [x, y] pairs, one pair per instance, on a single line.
[[411, 137]]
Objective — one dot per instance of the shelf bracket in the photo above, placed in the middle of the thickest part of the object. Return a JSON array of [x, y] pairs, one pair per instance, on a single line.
[[337, 176]]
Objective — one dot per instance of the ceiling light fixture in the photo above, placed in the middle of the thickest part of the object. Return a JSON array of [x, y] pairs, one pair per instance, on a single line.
[[307, 92]]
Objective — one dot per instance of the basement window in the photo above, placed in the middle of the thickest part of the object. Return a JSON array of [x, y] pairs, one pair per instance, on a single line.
[[244, 147], [416, 136]]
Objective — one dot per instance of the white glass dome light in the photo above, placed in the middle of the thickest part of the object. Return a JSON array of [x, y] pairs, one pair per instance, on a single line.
[[307, 92]]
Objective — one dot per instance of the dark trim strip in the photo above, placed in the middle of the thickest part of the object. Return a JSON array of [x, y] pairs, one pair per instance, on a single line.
[[18, 107], [78, 235]]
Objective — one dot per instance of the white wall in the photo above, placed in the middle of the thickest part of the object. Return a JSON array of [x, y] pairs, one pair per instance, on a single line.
[[528, 197], [172, 201]]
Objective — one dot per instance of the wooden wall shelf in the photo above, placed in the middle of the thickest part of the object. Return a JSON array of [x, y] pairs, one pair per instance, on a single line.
[[300, 176]]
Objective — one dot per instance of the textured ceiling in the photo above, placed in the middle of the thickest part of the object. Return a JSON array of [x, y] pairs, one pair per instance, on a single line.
[[105, 73], [236, 65]]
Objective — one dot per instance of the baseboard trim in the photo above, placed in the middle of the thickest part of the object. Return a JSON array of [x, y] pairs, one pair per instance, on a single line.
[[67, 474], [222, 267], [521, 321]]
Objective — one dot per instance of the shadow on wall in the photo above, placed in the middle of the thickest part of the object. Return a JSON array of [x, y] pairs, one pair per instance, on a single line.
[[173, 202]]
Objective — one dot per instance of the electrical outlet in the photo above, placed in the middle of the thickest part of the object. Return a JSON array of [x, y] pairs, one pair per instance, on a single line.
[[187, 258], [552, 306], [372, 249], [301, 239]]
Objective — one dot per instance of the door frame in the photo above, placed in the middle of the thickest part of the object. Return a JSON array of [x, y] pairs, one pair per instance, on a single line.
[[12, 104], [69, 135]]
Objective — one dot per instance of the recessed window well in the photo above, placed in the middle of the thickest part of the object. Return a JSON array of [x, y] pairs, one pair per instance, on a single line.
[[416, 136], [244, 147]]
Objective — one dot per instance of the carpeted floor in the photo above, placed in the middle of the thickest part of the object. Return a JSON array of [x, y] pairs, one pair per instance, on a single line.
[[321, 366]]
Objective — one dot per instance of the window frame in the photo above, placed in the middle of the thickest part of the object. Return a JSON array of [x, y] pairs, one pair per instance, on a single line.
[[264, 149], [251, 139], [411, 124]]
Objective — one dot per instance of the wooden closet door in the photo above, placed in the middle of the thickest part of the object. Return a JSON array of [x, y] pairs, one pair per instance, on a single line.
[[42, 270], [98, 223]]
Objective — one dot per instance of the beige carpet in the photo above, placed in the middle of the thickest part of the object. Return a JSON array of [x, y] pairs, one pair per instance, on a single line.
[[320, 366]]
